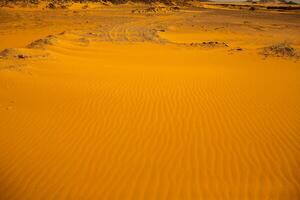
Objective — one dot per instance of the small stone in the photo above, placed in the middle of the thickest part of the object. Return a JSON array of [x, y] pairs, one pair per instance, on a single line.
[[21, 56]]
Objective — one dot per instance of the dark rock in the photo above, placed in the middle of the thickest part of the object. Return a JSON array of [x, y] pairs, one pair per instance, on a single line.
[[22, 56], [51, 5]]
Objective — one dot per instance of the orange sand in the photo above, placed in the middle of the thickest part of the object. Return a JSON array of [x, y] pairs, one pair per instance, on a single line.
[[112, 110]]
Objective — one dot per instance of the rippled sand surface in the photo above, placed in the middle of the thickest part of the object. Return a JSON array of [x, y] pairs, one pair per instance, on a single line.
[[109, 103]]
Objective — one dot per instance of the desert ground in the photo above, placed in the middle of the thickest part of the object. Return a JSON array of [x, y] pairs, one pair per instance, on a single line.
[[136, 101]]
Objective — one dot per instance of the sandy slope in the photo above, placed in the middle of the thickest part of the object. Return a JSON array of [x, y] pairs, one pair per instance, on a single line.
[[124, 107]]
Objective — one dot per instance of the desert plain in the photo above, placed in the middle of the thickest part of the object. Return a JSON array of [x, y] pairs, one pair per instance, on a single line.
[[149, 101]]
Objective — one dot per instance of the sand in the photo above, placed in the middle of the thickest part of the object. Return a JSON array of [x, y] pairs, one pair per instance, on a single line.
[[171, 104]]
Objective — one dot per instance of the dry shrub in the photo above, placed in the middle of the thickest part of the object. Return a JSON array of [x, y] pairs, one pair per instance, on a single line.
[[280, 50]]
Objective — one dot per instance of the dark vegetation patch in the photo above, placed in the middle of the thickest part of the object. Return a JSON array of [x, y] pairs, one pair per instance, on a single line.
[[209, 44], [280, 50], [14, 53], [156, 9], [41, 43]]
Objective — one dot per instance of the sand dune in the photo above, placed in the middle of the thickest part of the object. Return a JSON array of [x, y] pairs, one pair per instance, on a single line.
[[126, 107]]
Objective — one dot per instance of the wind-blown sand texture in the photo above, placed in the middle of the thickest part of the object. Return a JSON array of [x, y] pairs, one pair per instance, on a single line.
[[110, 103]]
